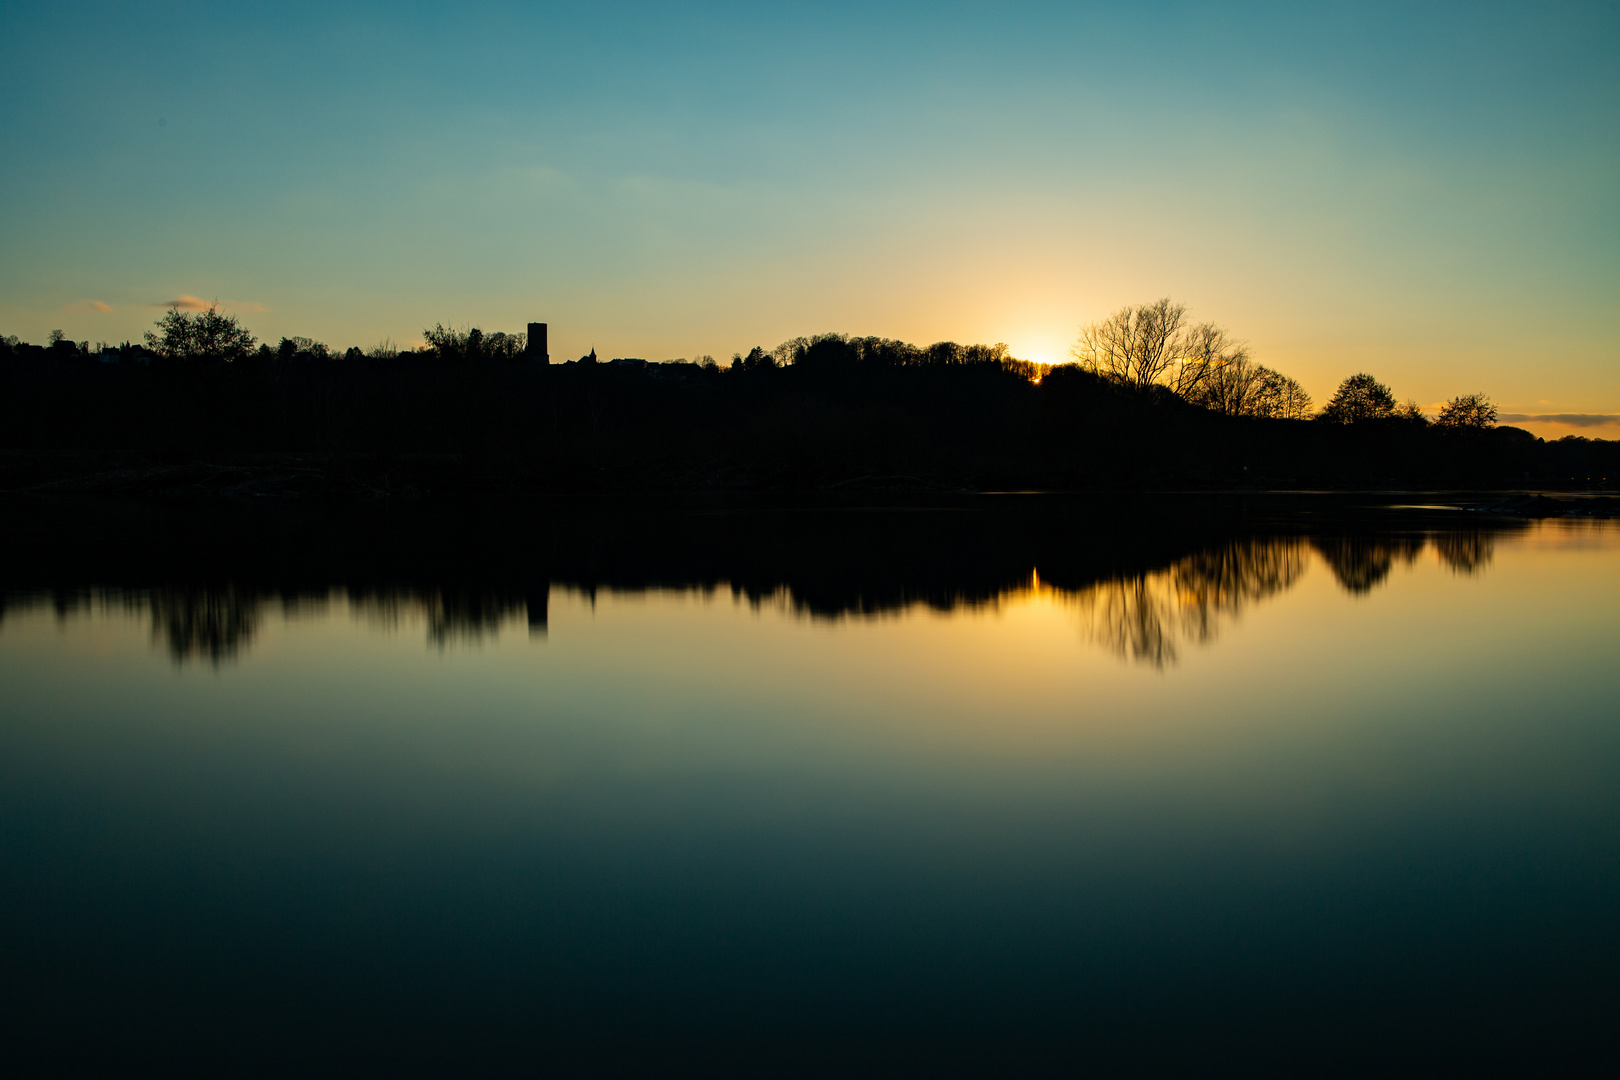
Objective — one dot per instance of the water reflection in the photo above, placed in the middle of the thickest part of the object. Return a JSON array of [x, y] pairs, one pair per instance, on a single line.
[[1144, 617], [1144, 585], [1466, 552], [211, 623], [1368, 800], [451, 615], [216, 624], [1361, 563]]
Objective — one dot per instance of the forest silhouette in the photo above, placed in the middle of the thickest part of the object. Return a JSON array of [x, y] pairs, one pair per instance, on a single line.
[[1152, 402]]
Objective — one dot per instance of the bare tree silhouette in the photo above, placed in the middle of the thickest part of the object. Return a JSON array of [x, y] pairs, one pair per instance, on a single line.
[[208, 336], [1240, 387], [1153, 345], [1468, 411]]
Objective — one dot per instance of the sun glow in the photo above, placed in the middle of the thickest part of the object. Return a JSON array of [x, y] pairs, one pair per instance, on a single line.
[[1038, 346]]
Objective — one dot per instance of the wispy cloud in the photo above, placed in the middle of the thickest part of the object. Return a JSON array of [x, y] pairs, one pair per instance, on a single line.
[[89, 306], [184, 302], [1573, 419], [187, 302]]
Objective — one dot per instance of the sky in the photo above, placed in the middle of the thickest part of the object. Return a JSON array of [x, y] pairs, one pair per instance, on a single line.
[[1426, 192]]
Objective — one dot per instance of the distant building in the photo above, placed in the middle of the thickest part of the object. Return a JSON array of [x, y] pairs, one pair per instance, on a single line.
[[535, 347]]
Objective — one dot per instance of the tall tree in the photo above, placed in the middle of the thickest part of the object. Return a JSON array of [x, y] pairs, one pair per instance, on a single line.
[[1240, 387], [208, 336], [1359, 398], [1154, 345], [1467, 411]]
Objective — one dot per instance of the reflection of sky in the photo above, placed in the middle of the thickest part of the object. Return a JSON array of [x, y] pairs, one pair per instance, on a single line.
[[682, 804], [1422, 191], [1274, 616], [1148, 616]]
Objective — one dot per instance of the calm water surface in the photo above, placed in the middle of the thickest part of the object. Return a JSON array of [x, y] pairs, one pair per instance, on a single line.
[[1283, 796]]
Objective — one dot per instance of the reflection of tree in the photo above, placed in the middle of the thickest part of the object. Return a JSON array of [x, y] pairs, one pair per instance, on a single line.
[[1131, 617], [1466, 552], [1144, 594], [215, 623], [452, 614], [1361, 562], [468, 615], [1144, 616], [1222, 580], [199, 623]]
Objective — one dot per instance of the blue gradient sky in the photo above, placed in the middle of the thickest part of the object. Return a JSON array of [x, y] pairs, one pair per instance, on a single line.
[[1430, 192]]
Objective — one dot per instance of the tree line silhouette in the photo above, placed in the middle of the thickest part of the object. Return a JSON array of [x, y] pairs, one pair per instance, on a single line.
[[1144, 578], [1150, 401]]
